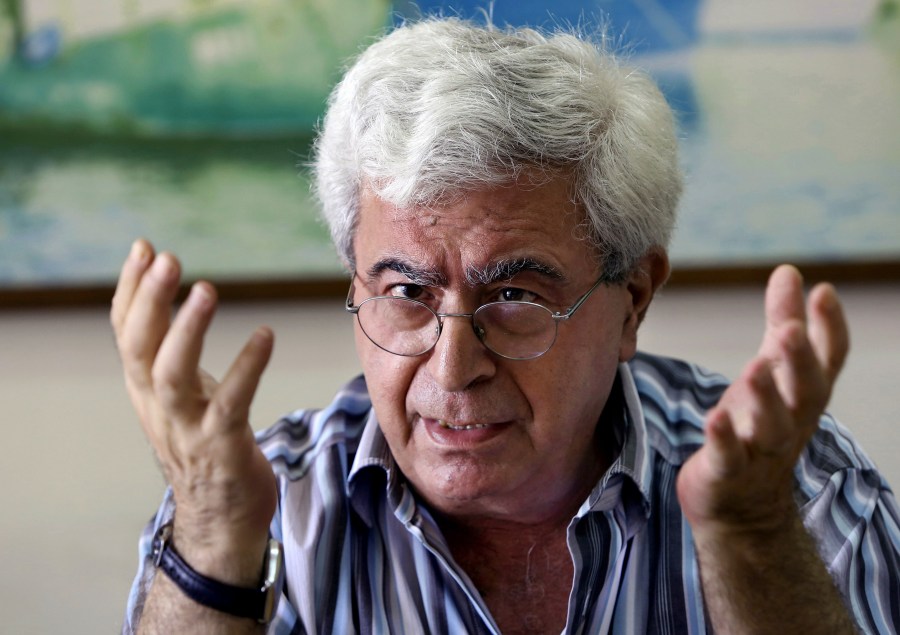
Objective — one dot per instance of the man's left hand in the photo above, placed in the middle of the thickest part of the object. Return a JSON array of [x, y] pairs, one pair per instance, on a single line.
[[741, 481]]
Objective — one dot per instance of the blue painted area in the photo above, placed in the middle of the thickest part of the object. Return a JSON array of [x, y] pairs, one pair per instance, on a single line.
[[643, 28], [42, 45], [678, 87], [647, 26]]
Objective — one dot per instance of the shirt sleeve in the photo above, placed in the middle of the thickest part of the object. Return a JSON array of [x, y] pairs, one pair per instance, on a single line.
[[285, 621], [856, 522]]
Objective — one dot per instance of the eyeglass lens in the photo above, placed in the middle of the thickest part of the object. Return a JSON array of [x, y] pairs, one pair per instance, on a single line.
[[511, 329]]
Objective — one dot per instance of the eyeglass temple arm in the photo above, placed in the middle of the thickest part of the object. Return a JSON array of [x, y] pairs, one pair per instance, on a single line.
[[348, 306], [571, 310]]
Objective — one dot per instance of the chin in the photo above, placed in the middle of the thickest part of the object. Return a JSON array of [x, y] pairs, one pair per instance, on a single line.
[[453, 488]]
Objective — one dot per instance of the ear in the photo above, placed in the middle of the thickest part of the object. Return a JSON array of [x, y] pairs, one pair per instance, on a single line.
[[648, 275]]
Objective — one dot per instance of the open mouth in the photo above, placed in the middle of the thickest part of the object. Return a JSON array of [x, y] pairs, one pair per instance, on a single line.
[[473, 426], [463, 435]]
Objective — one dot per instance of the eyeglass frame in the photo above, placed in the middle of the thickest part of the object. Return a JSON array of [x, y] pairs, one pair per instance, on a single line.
[[557, 316]]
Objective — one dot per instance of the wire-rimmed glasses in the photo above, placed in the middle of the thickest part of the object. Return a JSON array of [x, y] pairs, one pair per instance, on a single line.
[[513, 330]]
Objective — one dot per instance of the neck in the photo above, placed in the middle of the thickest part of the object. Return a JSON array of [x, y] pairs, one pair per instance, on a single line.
[[496, 533], [521, 570]]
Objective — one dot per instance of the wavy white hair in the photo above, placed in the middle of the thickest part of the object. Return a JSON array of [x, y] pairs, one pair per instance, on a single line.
[[443, 106]]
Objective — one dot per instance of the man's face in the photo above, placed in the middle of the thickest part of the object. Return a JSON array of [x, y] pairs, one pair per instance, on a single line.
[[529, 449]]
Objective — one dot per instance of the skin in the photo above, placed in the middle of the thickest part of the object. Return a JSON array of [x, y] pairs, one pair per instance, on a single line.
[[223, 485], [501, 491], [760, 569], [542, 413]]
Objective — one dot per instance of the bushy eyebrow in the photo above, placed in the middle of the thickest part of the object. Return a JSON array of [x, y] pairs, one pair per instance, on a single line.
[[427, 277], [507, 269], [491, 273]]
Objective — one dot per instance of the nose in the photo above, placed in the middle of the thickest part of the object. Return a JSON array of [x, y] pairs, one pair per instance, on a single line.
[[459, 359]]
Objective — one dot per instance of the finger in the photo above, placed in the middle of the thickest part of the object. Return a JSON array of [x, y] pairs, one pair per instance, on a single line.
[[784, 297], [148, 317], [230, 406], [725, 453], [176, 374], [785, 344], [828, 331], [772, 429], [799, 375], [134, 267], [758, 415]]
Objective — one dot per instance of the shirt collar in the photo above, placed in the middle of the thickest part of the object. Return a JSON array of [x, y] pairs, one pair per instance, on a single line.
[[633, 464], [374, 466], [373, 469]]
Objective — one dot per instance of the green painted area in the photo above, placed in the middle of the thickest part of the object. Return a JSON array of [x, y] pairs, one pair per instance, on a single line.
[[254, 69]]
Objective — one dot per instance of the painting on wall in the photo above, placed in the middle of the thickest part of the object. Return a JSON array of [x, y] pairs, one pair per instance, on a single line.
[[188, 122], [789, 117]]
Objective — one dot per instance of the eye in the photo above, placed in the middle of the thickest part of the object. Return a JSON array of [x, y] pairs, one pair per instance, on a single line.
[[514, 294], [409, 291]]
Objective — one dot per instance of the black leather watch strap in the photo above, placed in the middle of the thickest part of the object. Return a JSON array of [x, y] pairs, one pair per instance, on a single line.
[[254, 603]]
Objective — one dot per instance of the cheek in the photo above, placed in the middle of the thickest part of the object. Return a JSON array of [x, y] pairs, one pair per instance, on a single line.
[[573, 392], [574, 385], [388, 378]]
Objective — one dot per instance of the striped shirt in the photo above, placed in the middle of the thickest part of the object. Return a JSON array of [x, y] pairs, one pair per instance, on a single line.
[[363, 555]]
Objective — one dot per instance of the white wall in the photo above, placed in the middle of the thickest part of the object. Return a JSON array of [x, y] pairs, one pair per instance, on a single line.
[[78, 481]]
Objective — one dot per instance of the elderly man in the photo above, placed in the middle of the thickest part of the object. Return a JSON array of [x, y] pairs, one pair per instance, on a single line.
[[509, 463]]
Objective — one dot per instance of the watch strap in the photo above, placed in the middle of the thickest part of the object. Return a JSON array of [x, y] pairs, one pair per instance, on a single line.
[[255, 603]]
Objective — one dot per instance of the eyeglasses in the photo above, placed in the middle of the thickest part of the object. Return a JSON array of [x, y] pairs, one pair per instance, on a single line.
[[513, 330]]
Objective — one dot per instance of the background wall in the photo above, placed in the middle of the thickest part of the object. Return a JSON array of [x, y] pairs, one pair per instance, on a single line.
[[78, 481]]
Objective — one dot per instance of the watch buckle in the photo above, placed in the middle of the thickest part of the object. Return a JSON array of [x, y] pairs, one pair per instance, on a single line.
[[163, 536]]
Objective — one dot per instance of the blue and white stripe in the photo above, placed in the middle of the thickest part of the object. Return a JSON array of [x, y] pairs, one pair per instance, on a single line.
[[364, 556]]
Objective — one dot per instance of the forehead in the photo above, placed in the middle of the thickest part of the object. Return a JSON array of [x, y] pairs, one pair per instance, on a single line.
[[523, 220]]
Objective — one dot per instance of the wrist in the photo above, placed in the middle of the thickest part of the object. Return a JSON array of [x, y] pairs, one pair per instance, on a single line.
[[759, 546], [256, 600], [229, 556], [769, 520]]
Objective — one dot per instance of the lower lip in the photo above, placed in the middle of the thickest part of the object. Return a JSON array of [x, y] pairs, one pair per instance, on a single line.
[[463, 438]]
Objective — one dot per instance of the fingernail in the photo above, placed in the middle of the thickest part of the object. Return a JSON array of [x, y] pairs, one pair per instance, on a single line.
[[138, 251], [162, 268], [263, 333], [200, 295], [262, 337], [829, 298]]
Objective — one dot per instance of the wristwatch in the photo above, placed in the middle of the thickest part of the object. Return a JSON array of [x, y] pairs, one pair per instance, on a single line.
[[255, 603]]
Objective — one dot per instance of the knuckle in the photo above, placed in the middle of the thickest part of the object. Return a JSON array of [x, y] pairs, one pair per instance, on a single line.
[[165, 383], [134, 362], [130, 343], [793, 338]]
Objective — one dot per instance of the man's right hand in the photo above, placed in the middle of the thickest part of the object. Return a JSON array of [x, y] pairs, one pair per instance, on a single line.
[[224, 488]]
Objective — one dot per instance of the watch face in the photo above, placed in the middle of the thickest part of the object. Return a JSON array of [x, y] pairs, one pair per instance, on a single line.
[[273, 578]]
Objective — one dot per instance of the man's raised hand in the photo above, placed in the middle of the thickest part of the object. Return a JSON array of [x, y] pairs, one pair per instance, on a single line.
[[742, 478], [223, 486]]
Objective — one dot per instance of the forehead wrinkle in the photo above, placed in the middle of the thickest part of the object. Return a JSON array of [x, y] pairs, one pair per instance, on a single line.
[[422, 275], [507, 269]]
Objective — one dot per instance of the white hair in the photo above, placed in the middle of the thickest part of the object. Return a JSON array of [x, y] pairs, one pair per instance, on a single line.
[[444, 106]]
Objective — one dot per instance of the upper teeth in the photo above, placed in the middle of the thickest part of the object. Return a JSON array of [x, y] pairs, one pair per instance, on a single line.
[[450, 426]]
